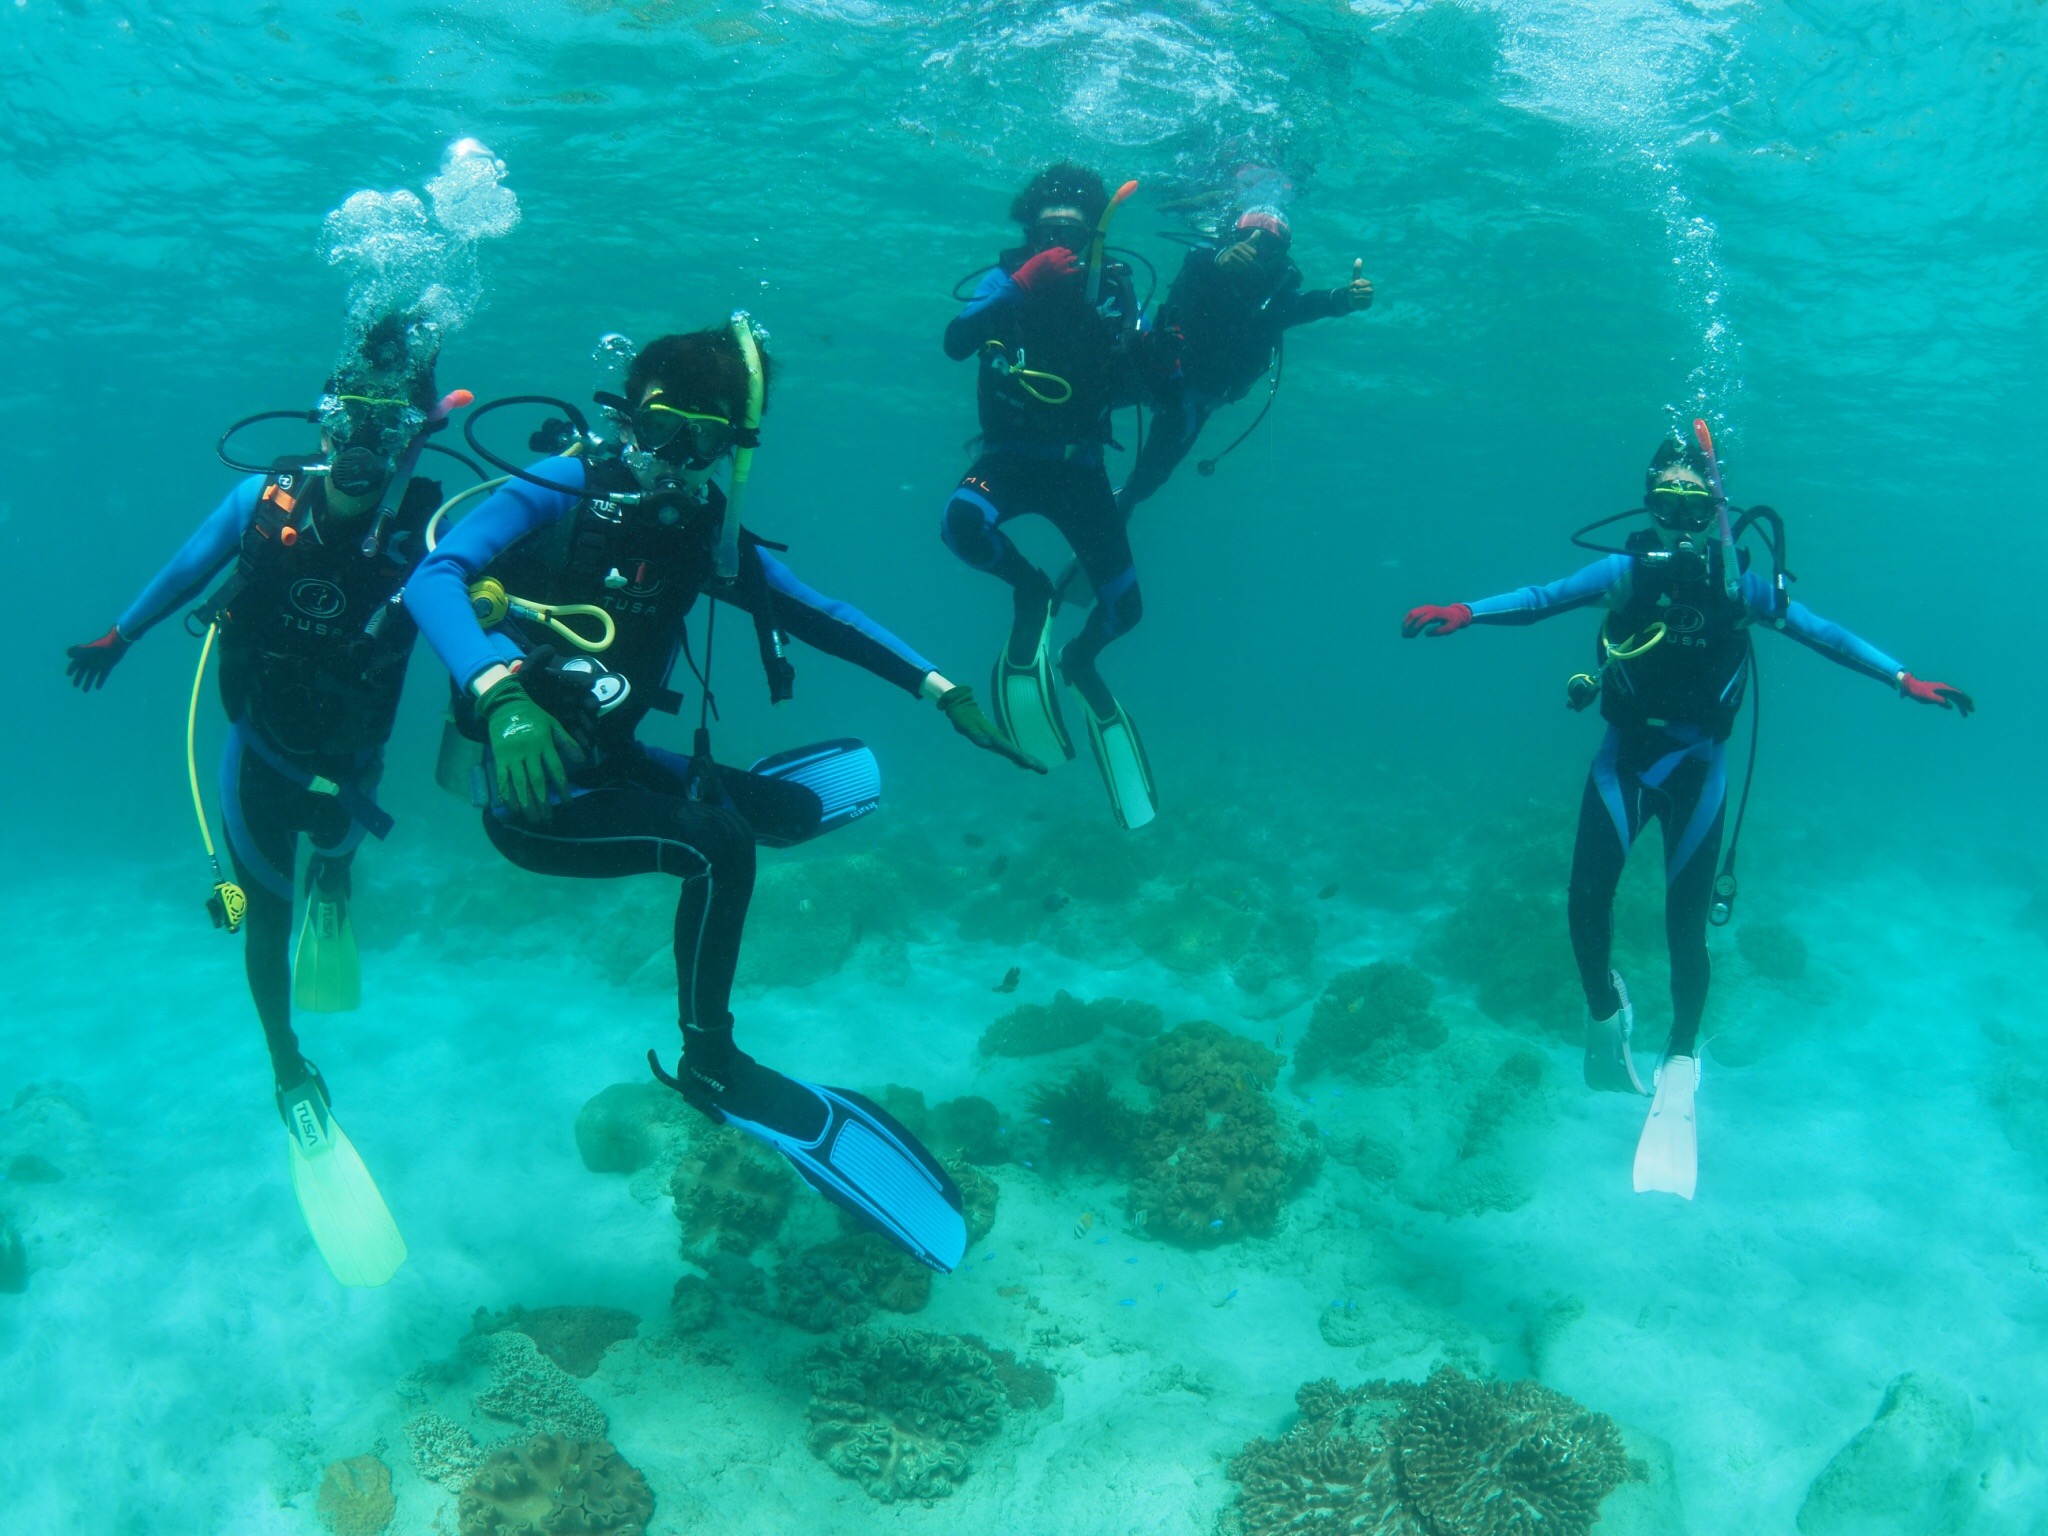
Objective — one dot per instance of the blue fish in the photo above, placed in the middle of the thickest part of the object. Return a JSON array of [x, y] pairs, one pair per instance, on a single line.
[[1128, 1301]]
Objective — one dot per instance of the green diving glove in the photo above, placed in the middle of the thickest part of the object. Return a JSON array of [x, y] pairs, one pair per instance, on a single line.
[[969, 720], [531, 752]]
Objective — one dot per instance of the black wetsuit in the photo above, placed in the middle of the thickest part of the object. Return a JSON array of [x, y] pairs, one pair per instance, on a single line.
[[1226, 329], [313, 654], [634, 808], [1045, 457]]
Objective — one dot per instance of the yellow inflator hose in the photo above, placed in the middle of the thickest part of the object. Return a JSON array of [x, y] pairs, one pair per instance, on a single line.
[[229, 901]]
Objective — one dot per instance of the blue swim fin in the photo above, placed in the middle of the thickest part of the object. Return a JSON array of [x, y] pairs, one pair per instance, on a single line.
[[865, 1162], [843, 774]]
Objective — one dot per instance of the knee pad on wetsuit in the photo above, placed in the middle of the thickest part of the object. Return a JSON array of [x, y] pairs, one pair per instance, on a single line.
[[968, 527]]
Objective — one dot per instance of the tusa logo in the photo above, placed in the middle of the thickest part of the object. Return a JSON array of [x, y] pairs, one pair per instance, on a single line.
[[318, 599], [1682, 620]]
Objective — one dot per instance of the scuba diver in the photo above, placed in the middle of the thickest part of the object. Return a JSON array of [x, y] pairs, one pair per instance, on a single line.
[[1226, 318], [313, 645], [1052, 325], [1676, 659], [559, 607]]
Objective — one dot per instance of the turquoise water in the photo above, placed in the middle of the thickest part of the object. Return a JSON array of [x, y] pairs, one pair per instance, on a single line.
[[1818, 227]]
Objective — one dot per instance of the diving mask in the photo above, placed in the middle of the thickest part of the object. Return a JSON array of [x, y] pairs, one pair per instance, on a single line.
[[382, 424], [1064, 230], [1679, 505], [681, 437]]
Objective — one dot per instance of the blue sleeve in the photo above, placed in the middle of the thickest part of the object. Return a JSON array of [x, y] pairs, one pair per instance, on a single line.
[[1819, 634], [836, 628], [1580, 589], [437, 596], [976, 324], [213, 543]]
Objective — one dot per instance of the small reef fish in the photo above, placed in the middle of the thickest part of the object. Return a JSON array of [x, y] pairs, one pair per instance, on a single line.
[[972, 839], [1081, 1227], [1010, 1290], [997, 865], [1128, 1301], [1327, 891], [1010, 979], [1055, 900], [1226, 1301]]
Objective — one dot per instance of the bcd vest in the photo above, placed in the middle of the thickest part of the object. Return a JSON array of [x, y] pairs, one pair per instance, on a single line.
[[647, 573], [313, 647], [1057, 334], [1675, 650]]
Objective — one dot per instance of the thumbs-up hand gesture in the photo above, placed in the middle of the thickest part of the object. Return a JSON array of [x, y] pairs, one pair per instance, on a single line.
[[1358, 293]]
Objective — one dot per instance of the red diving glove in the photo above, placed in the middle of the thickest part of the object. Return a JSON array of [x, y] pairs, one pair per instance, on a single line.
[[90, 663], [1431, 620], [1048, 269], [1947, 695]]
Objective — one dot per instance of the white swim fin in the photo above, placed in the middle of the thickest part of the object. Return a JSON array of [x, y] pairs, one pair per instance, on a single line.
[[350, 1224], [1026, 706], [1609, 1065], [1668, 1155], [1125, 773]]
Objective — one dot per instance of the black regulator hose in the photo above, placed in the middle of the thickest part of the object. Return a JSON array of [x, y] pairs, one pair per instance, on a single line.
[[220, 447], [477, 413]]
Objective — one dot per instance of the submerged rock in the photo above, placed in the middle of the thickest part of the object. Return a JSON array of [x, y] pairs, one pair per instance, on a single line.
[[1905, 1473], [626, 1127]]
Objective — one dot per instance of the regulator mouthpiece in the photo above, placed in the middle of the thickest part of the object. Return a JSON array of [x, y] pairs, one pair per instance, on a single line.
[[358, 473]]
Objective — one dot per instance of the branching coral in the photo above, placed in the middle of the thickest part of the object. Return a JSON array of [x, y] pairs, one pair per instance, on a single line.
[[531, 1391], [730, 1192], [900, 1413], [1450, 1457], [1212, 1160], [1085, 1124], [552, 1486], [1371, 1022], [1489, 1458], [575, 1338]]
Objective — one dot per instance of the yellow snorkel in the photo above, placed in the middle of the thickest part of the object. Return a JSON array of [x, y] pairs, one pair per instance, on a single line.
[[746, 437], [1095, 246]]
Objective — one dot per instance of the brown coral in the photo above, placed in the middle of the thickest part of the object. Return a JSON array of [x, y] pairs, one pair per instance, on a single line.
[[900, 1413], [1451, 1457], [355, 1497], [730, 1192], [552, 1486], [1371, 1022], [1212, 1161]]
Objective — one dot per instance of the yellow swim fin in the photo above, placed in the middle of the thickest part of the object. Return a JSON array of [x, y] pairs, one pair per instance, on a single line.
[[350, 1224], [326, 975]]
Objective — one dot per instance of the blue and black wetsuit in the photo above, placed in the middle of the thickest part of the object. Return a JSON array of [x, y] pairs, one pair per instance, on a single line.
[[1675, 663], [313, 653], [1226, 329], [1042, 452], [634, 808]]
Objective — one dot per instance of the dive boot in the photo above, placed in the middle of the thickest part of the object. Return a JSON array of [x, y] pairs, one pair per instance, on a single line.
[[1026, 706], [1125, 772], [326, 974], [350, 1224], [1609, 1066]]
